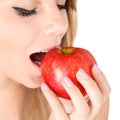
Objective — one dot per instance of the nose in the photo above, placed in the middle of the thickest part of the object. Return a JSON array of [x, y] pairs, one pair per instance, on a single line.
[[54, 22]]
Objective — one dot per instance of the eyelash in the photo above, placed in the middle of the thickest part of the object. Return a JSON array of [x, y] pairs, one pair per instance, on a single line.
[[60, 6], [26, 13]]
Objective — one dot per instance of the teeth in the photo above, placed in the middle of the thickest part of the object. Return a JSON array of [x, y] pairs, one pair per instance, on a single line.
[[38, 63], [45, 50]]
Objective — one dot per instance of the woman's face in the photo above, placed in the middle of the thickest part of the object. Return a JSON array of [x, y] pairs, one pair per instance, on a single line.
[[27, 27]]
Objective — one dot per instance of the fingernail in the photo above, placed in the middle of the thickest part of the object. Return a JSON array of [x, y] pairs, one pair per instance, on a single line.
[[44, 86], [68, 81], [97, 69], [83, 74], [59, 75]]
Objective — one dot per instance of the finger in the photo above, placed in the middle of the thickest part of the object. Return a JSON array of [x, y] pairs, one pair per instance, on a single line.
[[76, 96], [94, 93], [101, 81], [68, 105], [56, 106]]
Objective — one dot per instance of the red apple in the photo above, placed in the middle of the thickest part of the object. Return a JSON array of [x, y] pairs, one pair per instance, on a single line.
[[65, 62]]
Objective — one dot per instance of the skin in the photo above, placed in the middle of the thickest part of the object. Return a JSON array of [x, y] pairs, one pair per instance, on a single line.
[[21, 36], [94, 108]]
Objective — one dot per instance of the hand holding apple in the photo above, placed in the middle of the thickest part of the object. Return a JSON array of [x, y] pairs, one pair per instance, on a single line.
[[68, 61]]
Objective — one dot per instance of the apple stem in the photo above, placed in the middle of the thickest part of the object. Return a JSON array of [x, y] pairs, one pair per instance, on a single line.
[[67, 51]]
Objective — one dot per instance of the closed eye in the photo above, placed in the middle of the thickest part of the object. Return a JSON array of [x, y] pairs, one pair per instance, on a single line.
[[25, 12], [60, 6]]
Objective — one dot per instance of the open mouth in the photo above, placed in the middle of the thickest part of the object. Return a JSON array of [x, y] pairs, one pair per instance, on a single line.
[[37, 57]]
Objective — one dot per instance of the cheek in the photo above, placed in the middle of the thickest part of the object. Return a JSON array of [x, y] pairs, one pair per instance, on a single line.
[[15, 37], [13, 53], [15, 30], [12, 40]]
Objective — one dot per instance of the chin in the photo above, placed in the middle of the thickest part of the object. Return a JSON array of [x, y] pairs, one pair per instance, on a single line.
[[32, 82]]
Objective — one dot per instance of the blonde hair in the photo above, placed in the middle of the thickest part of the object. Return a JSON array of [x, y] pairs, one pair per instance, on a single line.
[[36, 107], [69, 38]]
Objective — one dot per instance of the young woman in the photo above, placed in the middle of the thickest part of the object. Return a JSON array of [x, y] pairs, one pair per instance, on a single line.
[[26, 28]]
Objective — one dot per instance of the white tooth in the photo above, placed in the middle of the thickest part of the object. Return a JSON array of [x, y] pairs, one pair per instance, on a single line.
[[44, 50], [37, 62]]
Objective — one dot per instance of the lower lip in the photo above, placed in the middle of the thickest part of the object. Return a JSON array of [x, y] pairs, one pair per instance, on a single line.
[[35, 66]]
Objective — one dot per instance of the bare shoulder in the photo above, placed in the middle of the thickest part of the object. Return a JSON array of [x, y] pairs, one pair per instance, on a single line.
[[104, 112]]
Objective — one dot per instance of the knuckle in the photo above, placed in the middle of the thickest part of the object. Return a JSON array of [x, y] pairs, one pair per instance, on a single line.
[[108, 91], [85, 111], [99, 104]]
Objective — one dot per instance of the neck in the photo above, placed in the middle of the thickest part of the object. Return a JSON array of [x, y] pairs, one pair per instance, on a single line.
[[11, 101]]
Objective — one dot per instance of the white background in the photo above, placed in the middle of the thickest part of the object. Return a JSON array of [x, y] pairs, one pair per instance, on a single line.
[[99, 32]]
